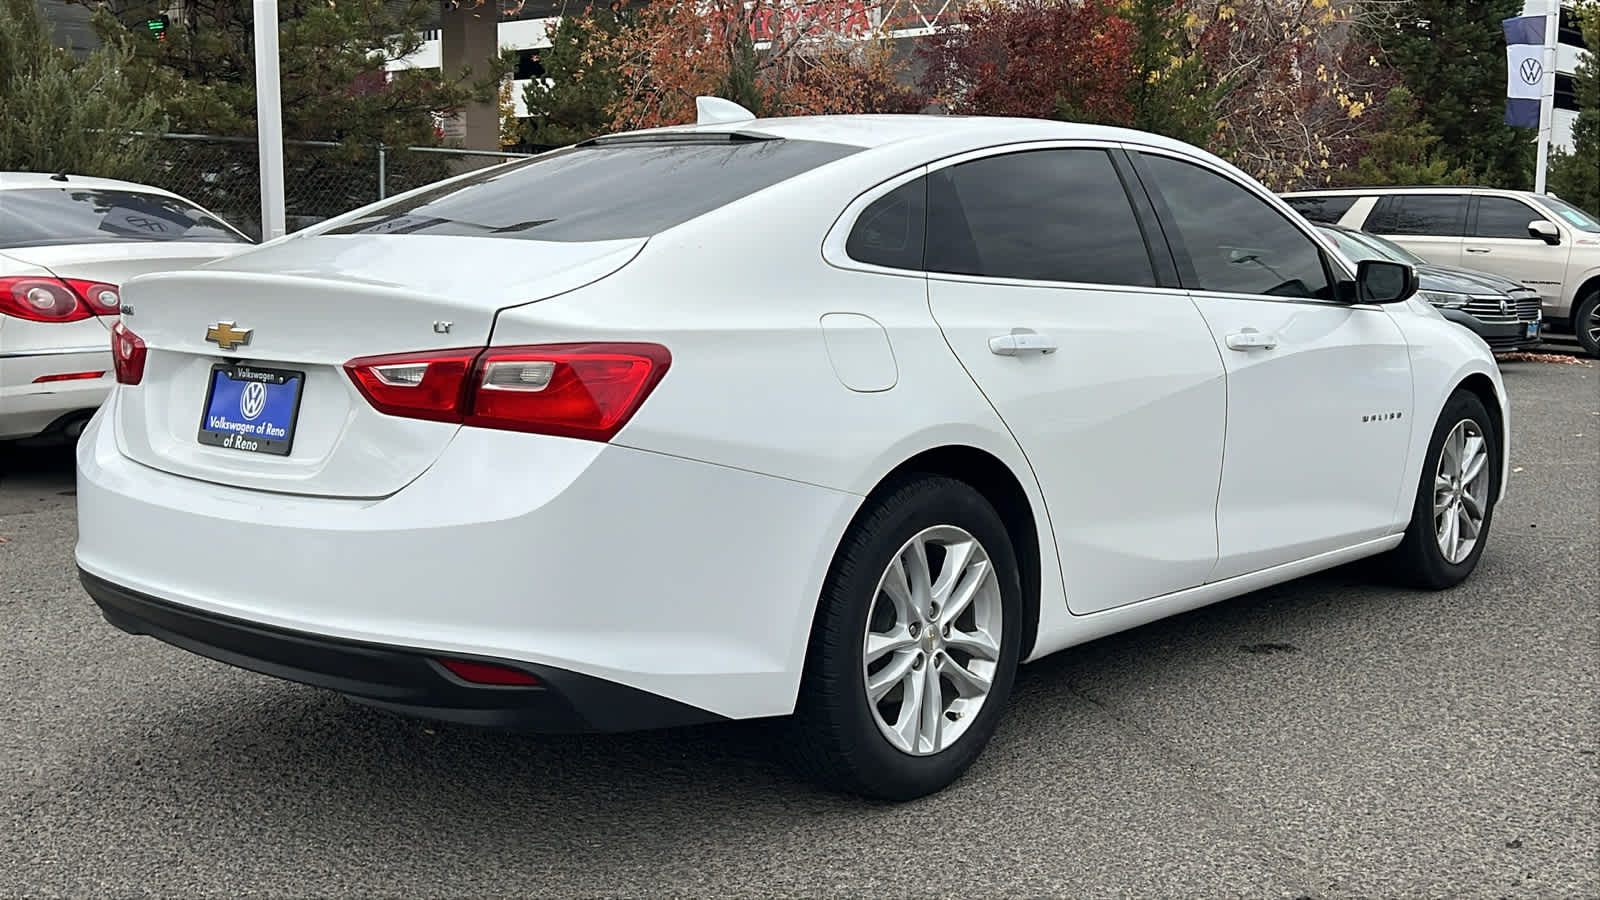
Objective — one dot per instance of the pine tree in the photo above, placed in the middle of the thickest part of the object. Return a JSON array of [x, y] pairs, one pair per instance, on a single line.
[[573, 100], [60, 116], [1575, 176], [1451, 54], [1405, 149], [1171, 91]]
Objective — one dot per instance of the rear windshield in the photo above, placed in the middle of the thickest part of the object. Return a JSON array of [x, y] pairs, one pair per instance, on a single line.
[[41, 217], [600, 192]]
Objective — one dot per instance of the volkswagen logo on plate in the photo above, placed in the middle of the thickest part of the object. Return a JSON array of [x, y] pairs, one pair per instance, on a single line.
[[1532, 71], [253, 400]]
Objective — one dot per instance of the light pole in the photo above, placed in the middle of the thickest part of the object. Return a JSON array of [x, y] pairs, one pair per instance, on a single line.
[[269, 120]]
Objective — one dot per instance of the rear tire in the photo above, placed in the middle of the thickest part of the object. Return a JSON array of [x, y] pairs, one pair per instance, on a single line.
[[1586, 323], [1451, 493], [933, 637]]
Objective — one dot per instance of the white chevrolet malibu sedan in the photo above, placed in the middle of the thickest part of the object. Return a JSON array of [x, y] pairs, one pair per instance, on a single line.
[[831, 419]]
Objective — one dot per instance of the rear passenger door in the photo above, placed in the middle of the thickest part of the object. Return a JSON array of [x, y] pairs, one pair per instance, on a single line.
[[1431, 225], [1068, 316]]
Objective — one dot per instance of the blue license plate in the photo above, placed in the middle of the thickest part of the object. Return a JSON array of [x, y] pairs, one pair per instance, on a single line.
[[1533, 329], [251, 409]]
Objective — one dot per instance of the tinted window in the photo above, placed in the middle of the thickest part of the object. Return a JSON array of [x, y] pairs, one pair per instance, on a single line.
[[1237, 242], [890, 230], [1502, 217], [1043, 215], [1322, 209], [1574, 216], [38, 217], [600, 192], [1438, 215]]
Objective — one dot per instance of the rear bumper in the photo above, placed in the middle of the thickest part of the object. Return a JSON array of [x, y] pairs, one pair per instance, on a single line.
[[402, 679], [29, 407], [680, 579]]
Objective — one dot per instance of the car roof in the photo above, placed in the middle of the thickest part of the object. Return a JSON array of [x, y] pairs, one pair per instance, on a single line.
[[23, 180], [1398, 188], [884, 130]]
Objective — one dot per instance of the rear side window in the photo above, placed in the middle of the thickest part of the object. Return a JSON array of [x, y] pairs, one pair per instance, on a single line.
[[600, 192], [1432, 215], [890, 230], [1326, 210], [1040, 215], [1501, 217], [42, 217]]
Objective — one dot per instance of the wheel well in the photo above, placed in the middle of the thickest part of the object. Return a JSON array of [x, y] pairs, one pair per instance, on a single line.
[[1481, 387], [994, 480], [1591, 286]]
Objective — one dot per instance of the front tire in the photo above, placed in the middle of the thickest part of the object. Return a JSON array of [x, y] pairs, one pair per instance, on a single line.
[[915, 645], [1586, 323], [1455, 499]]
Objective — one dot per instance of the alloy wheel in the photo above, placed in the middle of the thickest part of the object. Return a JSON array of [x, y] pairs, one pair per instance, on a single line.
[[932, 645], [1460, 491]]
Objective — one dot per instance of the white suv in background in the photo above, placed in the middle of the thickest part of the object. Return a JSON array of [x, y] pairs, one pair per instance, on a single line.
[[1540, 240]]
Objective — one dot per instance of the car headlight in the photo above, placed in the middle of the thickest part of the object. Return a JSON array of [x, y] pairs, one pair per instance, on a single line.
[[1446, 299]]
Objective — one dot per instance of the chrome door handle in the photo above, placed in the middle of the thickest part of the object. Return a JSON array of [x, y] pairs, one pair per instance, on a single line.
[[1251, 339], [1021, 340], [1477, 249]]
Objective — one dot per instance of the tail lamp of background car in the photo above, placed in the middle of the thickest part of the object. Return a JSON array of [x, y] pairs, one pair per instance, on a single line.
[[571, 390], [57, 299], [127, 354]]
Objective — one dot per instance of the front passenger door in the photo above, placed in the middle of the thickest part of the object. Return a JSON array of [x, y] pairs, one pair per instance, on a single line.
[[1319, 391]]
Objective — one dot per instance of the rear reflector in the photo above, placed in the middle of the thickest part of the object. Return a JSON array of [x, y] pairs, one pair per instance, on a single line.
[[484, 673], [584, 391], [127, 354], [70, 376]]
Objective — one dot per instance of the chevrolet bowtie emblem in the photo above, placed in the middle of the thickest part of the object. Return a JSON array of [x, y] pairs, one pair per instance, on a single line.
[[224, 335]]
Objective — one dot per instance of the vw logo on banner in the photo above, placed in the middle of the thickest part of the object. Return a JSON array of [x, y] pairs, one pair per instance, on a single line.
[[252, 400], [1532, 71]]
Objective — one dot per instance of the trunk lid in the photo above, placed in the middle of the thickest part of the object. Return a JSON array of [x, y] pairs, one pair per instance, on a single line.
[[308, 306], [116, 263]]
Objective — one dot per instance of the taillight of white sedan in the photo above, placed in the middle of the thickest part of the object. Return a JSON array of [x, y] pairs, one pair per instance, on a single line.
[[833, 419]]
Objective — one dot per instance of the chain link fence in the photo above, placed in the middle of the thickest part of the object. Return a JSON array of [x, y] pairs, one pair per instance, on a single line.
[[321, 179]]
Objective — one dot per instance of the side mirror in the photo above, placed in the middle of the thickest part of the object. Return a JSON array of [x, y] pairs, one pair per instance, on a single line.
[[1382, 281], [1545, 231]]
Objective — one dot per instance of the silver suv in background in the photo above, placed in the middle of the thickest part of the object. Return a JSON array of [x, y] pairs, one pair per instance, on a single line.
[[1536, 239]]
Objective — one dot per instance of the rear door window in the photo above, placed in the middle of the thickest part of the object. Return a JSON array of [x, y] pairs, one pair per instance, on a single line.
[[599, 192], [43, 217], [1039, 215], [1432, 215]]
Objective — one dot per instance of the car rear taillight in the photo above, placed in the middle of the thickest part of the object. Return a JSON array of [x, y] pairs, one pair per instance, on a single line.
[[41, 300], [127, 354], [485, 673], [103, 299], [584, 391]]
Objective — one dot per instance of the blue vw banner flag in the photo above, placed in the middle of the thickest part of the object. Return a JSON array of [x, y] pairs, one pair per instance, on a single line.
[[1524, 69]]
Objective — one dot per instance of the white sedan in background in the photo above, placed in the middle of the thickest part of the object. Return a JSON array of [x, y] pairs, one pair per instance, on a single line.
[[67, 244], [834, 419]]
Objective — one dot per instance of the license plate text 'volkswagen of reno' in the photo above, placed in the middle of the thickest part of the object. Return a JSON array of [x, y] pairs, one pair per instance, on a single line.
[[251, 409]]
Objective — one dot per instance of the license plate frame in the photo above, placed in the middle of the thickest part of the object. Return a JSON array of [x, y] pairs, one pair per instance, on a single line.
[[240, 439]]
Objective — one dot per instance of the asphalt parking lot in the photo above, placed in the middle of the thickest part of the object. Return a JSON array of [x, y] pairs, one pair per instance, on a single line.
[[1327, 738]]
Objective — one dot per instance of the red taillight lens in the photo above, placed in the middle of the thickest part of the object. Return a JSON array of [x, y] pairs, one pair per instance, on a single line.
[[484, 673], [69, 376], [415, 385], [41, 300], [127, 354], [103, 299], [573, 390]]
